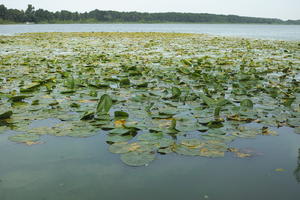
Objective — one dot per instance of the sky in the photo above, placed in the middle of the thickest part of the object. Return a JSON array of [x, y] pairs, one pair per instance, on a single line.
[[282, 9]]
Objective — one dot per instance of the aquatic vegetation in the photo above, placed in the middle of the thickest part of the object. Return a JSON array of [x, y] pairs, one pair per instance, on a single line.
[[150, 93], [24, 138]]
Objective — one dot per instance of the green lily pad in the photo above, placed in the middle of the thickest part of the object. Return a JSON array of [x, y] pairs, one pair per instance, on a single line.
[[165, 150], [294, 122], [88, 116], [6, 115], [118, 148], [142, 85], [211, 153], [82, 133], [185, 150], [137, 159], [18, 98], [23, 138], [165, 142], [119, 131], [246, 103], [176, 92], [150, 136], [124, 82], [104, 104], [192, 143], [121, 114], [118, 138]]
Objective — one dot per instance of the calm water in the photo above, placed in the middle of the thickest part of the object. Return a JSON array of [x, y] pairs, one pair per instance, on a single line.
[[71, 168], [278, 32]]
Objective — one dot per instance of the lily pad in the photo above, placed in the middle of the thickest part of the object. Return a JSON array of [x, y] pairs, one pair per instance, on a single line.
[[104, 104], [294, 122], [246, 103], [118, 138], [150, 136], [121, 114], [185, 150], [165, 150], [6, 115], [137, 159], [119, 131], [23, 138], [192, 143]]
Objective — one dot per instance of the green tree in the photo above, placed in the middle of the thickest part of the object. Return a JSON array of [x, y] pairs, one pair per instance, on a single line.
[[30, 13]]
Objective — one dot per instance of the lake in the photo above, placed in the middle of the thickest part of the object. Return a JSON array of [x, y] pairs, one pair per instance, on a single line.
[[66, 168], [69, 167], [277, 32]]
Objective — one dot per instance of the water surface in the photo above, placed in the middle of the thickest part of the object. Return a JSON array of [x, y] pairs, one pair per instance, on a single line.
[[72, 168], [278, 32]]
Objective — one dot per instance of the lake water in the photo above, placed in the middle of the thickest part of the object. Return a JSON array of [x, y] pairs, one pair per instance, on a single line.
[[72, 168], [278, 32], [66, 168]]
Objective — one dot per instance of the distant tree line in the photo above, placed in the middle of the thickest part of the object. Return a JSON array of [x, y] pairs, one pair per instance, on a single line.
[[99, 16]]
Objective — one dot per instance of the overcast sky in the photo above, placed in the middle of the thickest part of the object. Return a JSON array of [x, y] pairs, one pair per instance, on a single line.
[[283, 9]]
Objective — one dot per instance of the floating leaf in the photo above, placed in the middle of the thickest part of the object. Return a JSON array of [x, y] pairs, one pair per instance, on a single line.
[[187, 62], [122, 147], [142, 85], [150, 136], [121, 114], [104, 104], [70, 83], [165, 142], [207, 100], [294, 122], [30, 143], [288, 101], [136, 159], [184, 150], [82, 133], [87, 116], [124, 82], [148, 107], [246, 103], [279, 170], [6, 115], [267, 131], [175, 92], [192, 143], [211, 153], [24, 138], [18, 98], [120, 131], [242, 155], [165, 150], [30, 87], [217, 112], [118, 138]]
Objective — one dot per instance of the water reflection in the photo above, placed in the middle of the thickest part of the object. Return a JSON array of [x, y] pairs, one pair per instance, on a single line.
[[297, 170]]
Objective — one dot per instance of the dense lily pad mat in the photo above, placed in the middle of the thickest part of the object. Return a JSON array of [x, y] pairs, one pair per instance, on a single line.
[[149, 92]]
